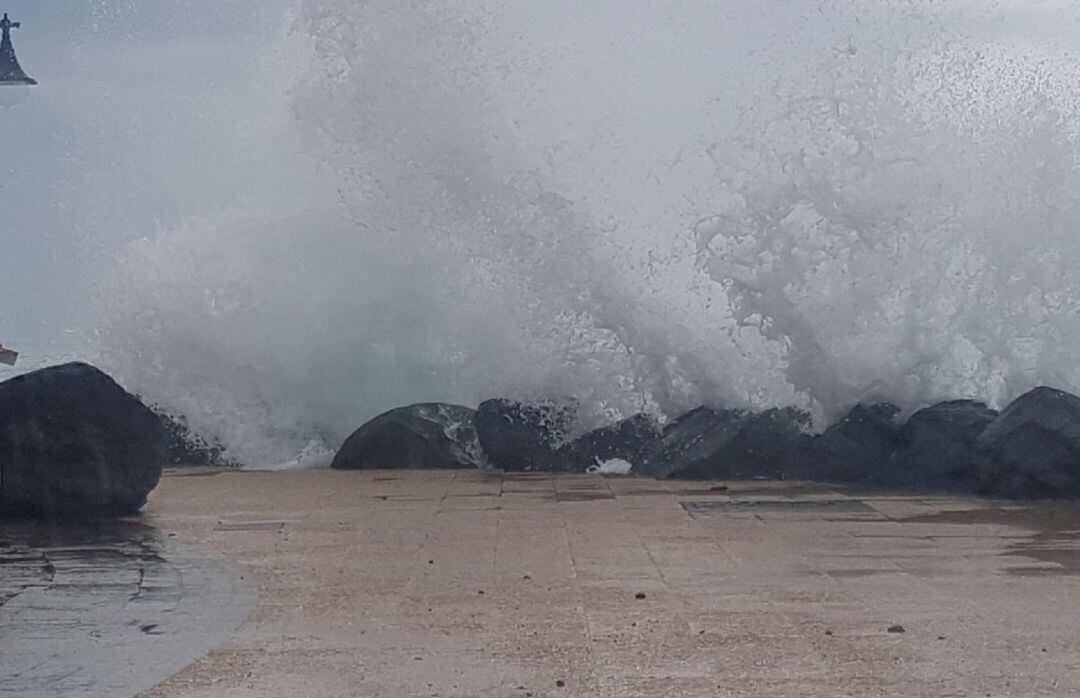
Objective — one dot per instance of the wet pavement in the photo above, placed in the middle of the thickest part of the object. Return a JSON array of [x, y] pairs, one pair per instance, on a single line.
[[443, 584], [440, 584], [105, 608]]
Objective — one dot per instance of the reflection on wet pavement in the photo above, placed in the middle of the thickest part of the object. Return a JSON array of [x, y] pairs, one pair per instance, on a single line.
[[105, 608], [1053, 546]]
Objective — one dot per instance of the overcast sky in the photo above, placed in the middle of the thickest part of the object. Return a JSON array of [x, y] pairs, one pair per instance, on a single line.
[[152, 111], [145, 19], [146, 113]]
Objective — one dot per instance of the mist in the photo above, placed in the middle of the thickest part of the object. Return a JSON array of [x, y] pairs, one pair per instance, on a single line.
[[278, 223]]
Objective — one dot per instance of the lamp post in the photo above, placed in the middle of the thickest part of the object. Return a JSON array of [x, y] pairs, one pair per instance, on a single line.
[[11, 73], [14, 82]]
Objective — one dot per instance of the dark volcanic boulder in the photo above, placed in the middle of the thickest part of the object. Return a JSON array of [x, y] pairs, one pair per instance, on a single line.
[[428, 435], [518, 436], [729, 445], [857, 449], [937, 448], [74, 443], [630, 440], [1033, 446]]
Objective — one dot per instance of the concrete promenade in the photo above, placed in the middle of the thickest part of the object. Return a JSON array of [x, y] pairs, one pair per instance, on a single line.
[[405, 583]]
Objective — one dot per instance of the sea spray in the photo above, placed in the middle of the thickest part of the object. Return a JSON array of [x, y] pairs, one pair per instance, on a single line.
[[736, 204], [899, 248]]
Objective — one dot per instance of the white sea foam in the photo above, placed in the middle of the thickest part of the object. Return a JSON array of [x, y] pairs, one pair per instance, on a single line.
[[646, 206], [611, 466]]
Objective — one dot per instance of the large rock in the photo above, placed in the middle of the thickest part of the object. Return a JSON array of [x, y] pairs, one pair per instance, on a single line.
[[729, 445], [427, 435], [631, 440], [938, 450], [1033, 446], [519, 437], [857, 449], [74, 443]]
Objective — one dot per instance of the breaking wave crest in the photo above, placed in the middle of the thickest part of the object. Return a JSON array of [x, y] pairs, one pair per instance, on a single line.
[[648, 209]]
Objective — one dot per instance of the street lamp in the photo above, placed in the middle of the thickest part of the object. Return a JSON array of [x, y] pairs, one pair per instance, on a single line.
[[14, 83]]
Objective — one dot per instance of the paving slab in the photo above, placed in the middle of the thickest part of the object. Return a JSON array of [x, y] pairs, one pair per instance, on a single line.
[[411, 583]]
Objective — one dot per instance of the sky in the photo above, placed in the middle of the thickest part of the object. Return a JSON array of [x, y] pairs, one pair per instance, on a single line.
[[146, 113], [150, 112]]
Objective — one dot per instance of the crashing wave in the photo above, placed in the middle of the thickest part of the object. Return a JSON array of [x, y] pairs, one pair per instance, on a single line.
[[741, 204]]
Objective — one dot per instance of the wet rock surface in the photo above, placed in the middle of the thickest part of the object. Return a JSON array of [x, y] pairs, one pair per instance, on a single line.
[[74, 443], [427, 435], [729, 445], [517, 436], [105, 608], [857, 449], [937, 448], [691, 442], [1032, 448], [631, 440]]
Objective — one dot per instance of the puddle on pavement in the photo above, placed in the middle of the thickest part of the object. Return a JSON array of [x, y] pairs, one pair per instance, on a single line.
[[1059, 553], [105, 608], [1054, 544]]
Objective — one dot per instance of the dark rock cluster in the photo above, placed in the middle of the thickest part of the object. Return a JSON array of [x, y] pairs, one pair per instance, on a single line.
[[1031, 449], [74, 443]]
